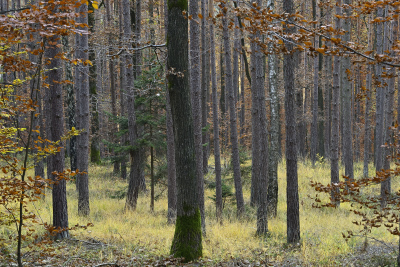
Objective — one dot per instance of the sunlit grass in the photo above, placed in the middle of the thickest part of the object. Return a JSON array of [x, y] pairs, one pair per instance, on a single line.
[[145, 232]]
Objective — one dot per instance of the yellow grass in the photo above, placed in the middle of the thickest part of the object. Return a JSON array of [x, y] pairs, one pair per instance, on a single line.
[[143, 232]]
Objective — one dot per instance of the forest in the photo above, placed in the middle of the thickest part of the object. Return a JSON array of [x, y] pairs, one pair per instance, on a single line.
[[199, 133]]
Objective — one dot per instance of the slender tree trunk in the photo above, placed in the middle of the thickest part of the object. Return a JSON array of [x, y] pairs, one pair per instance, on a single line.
[[123, 91], [59, 192], [170, 144], [135, 153], [274, 147], [314, 123], [347, 97], [293, 217], [217, 153], [95, 127], [187, 238], [82, 89], [390, 36], [335, 115], [108, 5], [195, 85], [232, 117], [205, 83]]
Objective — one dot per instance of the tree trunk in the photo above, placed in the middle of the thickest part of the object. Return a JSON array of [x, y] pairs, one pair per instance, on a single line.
[[347, 103], [170, 144], [335, 115], [274, 147], [95, 127], [187, 238], [205, 84], [314, 123], [82, 89], [59, 192], [195, 86], [108, 5], [292, 195], [135, 153], [232, 119]]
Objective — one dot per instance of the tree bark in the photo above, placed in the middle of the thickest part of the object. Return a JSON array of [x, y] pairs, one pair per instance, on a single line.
[[292, 195], [195, 86], [274, 132], [82, 89], [187, 237], [135, 152], [59, 192], [335, 115], [170, 144]]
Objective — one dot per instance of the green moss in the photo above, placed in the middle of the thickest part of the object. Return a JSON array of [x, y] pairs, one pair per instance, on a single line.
[[181, 4], [187, 239]]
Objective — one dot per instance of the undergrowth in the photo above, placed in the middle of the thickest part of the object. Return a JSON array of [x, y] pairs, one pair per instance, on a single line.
[[143, 237]]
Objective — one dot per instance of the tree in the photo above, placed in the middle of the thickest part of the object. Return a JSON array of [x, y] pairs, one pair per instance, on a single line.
[[187, 237], [195, 87], [274, 120], [82, 98], [217, 149], [135, 153], [292, 195], [170, 143]]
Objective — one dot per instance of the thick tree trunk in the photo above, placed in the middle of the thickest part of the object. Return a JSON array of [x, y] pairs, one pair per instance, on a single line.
[[187, 238], [232, 119]]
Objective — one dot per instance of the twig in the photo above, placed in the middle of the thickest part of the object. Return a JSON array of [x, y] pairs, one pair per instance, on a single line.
[[90, 243], [107, 264]]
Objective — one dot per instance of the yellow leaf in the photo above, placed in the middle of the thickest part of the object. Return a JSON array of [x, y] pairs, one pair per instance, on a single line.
[[200, 16], [95, 5]]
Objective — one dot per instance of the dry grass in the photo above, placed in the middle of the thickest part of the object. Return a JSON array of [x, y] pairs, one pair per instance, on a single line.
[[148, 234]]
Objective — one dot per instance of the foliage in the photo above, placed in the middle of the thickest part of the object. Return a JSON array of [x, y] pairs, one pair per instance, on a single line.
[[20, 145], [374, 211]]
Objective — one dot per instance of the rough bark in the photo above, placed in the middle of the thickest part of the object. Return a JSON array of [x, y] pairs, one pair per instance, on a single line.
[[232, 118], [187, 237], [293, 217], [59, 192], [195, 86], [82, 89]]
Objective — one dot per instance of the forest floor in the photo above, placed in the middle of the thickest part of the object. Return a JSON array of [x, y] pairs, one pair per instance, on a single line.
[[143, 238]]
